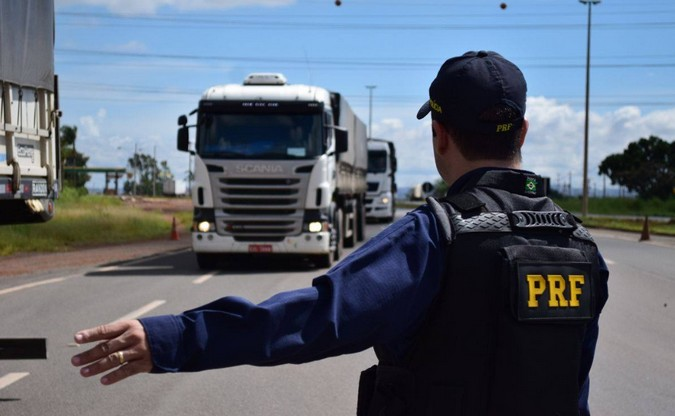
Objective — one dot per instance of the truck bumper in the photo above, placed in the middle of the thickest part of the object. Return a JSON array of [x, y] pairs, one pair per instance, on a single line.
[[305, 243], [378, 209]]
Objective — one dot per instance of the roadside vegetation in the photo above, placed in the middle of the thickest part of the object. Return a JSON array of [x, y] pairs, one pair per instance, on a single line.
[[626, 214], [88, 220]]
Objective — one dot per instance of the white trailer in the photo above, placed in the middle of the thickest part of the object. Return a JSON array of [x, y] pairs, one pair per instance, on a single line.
[[381, 178], [279, 169], [29, 115]]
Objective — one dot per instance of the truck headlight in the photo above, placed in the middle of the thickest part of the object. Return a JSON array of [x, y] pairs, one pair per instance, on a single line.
[[385, 200], [315, 227], [204, 226]]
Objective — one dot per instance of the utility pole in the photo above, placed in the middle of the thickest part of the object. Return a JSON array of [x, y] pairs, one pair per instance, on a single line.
[[154, 171], [584, 199], [135, 163], [370, 110]]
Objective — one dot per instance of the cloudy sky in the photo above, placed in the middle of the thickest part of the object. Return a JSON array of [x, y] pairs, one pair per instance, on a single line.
[[129, 68]]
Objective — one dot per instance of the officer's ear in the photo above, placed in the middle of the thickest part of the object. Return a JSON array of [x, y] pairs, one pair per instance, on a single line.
[[441, 138], [523, 132]]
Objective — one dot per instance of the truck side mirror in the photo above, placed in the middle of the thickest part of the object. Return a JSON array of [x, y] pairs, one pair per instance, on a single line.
[[182, 120], [183, 140], [341, 140], [427, 187]]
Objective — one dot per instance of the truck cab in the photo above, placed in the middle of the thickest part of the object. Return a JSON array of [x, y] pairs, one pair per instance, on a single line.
[[381, 195], [276, 171]]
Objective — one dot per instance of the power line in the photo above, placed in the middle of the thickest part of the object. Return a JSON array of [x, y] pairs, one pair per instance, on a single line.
[[389, 63], [369, 26], [82, 91]]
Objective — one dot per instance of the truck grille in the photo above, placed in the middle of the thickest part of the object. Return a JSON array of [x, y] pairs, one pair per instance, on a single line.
[[259, 209]]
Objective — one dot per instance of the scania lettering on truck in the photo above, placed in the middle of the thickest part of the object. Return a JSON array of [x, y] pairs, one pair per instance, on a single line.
[[279, 169], [381, 196], [29, 143]]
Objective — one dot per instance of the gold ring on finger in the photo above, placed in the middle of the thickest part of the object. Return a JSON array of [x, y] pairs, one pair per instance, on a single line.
[[120, 357]]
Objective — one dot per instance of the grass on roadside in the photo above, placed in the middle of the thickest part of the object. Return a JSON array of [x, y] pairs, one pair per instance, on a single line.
[[607, 213], [87, 220], [621, 206]]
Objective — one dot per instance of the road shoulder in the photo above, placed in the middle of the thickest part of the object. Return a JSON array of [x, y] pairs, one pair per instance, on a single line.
[[25, 263]]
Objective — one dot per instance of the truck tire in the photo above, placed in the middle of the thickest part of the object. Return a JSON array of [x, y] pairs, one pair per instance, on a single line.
[[323, 261], [360, 220], [207, 261]]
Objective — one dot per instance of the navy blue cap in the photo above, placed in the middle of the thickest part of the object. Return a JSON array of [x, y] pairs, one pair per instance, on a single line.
[[468, 85]]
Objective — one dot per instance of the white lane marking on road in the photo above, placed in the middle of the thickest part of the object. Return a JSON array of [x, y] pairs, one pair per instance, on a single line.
[[204, 278], [36, 284], [11, 378], [609, 262], [131, 263], [131, 268], [142, 311]]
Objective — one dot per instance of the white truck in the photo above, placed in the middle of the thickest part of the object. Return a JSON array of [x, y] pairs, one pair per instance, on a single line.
[[278, 169], [381, 178], [29, 115]]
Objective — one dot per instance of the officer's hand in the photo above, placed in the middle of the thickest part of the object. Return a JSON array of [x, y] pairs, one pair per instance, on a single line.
[[123, 349]]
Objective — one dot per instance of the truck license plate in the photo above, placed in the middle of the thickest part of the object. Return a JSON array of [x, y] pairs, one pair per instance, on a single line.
[[39, 189], [260, 248]]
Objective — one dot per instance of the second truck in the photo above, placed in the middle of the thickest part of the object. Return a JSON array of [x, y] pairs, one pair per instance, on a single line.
[[279, 169], [382, 165]]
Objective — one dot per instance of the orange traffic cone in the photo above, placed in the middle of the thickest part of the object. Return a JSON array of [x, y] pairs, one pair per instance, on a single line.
[[174, 230], [645, 230]]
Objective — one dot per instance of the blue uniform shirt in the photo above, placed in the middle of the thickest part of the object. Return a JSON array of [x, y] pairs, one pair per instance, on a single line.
[[378, 295]]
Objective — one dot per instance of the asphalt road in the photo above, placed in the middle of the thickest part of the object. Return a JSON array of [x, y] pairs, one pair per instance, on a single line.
[[633, 373]]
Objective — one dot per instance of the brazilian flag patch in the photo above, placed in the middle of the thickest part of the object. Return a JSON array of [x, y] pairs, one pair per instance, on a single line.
[[531, 186]]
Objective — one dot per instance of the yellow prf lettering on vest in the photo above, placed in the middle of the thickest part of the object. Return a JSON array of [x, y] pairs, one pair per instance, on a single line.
[[501, 128], [557, 285], [537, 286]]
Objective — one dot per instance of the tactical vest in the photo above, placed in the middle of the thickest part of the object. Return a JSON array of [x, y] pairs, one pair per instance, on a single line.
[[504, 335]]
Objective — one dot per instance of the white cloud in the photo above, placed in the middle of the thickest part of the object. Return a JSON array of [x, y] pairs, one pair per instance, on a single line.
[[413, 149], [130, 7], [91, 124]]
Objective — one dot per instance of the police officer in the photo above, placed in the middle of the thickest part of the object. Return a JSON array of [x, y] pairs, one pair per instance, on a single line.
[[485, 302]]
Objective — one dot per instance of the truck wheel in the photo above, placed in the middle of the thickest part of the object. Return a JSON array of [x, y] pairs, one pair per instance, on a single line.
[[207, 261], [323, 261], [360, 220]]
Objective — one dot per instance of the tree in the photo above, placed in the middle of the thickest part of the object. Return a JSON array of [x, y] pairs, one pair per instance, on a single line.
[[440, 188], [646, 167], [147, 178], [72, 159]]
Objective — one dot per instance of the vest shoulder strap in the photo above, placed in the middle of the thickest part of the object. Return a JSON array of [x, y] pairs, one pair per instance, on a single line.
[[443, 218]]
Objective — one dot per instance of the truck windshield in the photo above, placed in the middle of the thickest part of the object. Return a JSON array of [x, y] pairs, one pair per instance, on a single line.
[[260, 136], [377, 161]]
